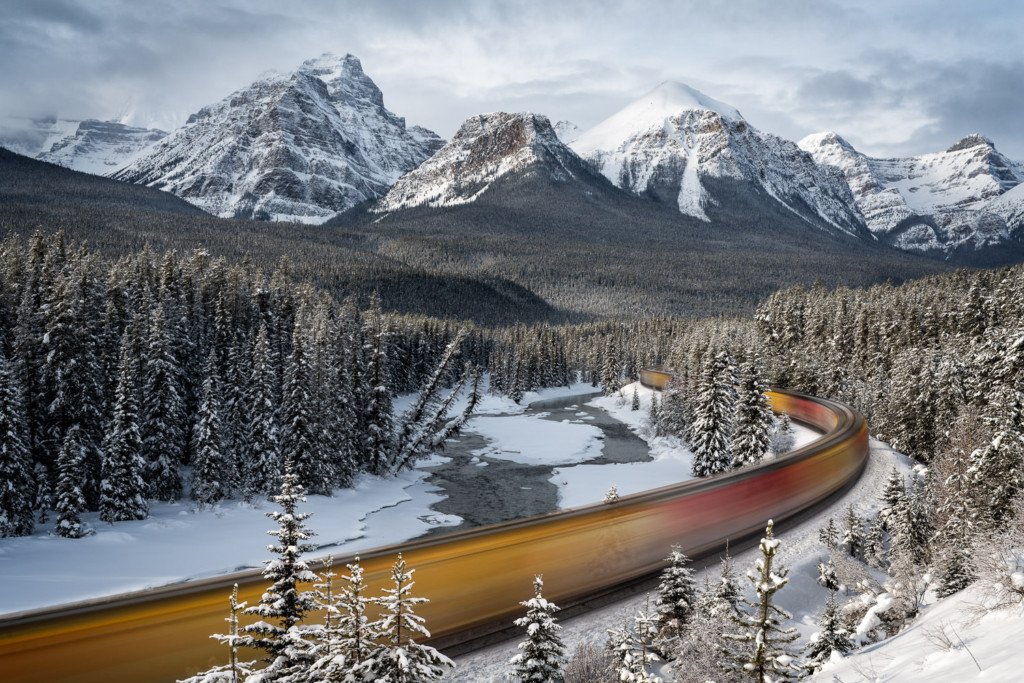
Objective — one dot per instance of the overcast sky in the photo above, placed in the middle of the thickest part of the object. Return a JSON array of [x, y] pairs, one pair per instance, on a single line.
[[894, 77]]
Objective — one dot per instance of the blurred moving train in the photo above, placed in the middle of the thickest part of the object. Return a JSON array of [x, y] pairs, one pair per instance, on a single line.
[[474, 579]]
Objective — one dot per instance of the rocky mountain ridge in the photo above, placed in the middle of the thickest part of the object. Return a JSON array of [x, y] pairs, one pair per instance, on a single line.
[[90, 146], [957, 202], [301, 146]]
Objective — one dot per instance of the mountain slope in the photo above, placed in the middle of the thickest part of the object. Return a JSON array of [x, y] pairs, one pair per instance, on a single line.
[[947, 204], [674, 143], [300, 146], [505, 198]]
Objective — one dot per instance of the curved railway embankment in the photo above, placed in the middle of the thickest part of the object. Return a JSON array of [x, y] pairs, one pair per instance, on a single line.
[[474, 578]]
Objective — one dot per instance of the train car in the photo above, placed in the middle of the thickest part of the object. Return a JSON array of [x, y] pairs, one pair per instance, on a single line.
[[474, 579]]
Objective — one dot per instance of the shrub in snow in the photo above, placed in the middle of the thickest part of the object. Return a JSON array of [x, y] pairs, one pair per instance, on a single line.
[[542, 654], [782, 439], [612, 495], [588, 664], [760, 649]]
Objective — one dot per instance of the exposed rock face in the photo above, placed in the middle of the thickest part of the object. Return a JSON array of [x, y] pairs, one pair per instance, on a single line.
[[90, 146], [958, 201], [300, 146], [485, 148], [669, 143]]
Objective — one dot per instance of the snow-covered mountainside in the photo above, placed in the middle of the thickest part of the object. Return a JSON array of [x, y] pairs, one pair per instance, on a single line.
[[567, 131], [300, 146], [957, 200], [485, 148], [672, 144], [90, 146]]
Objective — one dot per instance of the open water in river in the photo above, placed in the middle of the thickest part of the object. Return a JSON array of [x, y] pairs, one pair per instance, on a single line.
[[503, 490]]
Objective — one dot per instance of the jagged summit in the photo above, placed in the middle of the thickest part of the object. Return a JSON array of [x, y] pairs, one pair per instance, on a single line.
[[971, 141], [945, 203], [300, 146], [485, 148]]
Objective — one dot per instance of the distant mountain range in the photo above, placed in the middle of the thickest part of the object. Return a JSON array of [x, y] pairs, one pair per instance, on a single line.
[[317, 142]]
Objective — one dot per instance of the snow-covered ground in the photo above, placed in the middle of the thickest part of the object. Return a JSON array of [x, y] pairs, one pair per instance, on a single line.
[[954, 640], [800, 551]]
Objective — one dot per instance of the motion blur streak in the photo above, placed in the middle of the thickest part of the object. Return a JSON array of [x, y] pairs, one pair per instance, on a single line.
[[474, 578]]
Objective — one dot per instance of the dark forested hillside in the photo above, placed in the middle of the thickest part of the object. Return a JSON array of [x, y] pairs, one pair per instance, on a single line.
[[597, 250], [119, 219]]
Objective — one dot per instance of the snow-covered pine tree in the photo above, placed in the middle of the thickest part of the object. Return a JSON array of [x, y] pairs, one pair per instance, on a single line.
[[162, 410], [893, 495], [377, 419], [209, 467], [754, 418], [828, 535], [677, 595], [726, 596], [635, 404], [654, 415], [16, 477], [400, 659], [299, 432], [997, 469], [874, 545], [284, 606], [833, 637], [853, 534], [956, 570], [782, 438], [261, 466], [542, 655], [611, 368], [122, 489], [234, 671], [71, 461], [349, 635], [641, 657], [715, 409], [827, 576], [761, 647]]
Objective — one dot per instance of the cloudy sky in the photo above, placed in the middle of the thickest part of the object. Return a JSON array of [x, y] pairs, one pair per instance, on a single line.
[[894, 77]]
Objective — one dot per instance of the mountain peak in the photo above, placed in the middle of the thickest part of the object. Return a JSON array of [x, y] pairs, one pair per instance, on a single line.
[[652, 110], [825, 139], [972, 140]]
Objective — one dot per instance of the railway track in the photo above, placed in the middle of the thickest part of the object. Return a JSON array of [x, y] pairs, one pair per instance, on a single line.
[[474, 578]]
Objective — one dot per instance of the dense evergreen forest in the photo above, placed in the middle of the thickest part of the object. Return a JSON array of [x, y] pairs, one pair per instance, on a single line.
[[166, 376]]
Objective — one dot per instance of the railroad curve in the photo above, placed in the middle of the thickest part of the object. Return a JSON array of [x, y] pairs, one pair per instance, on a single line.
[[474, 579]]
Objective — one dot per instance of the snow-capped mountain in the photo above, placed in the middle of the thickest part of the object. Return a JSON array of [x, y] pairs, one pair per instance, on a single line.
[[675, 143], [90, 146], [300, 146], [960, 200], [485, 148]]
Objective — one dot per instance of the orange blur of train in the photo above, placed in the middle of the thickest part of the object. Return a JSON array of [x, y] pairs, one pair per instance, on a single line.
[[474, 579]]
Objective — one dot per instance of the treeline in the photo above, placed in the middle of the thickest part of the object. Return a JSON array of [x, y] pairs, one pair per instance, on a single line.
[[174, 375]]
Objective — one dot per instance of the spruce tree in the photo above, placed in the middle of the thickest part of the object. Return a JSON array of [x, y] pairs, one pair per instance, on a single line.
[[754, 419], [234, 671], [209, 467], [16, 477], [635, 404], [122, 490], [163, 419], [350, 636], [261, 465], [400, 659], [542, 655], [284, 605], [853, 534], [677, 595], [761, 647], [828, 535], [833, 637], [71, 463], [300, 437], [377, 420], [715, 409]]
